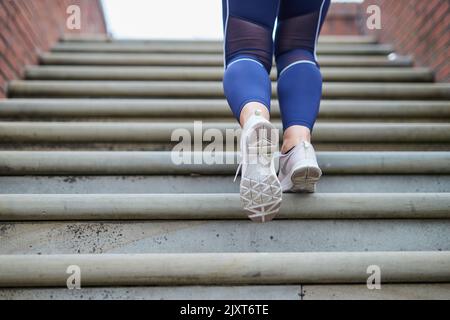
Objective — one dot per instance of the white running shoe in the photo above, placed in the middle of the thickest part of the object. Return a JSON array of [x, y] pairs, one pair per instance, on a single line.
[[260, 188], [299, 171]]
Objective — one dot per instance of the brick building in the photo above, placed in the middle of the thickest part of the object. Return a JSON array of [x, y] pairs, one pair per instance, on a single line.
[[420, 28], [29, 27]]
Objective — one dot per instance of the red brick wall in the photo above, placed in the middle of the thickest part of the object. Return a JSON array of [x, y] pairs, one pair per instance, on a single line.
[[342, 19], [28, 27], [418, 27]]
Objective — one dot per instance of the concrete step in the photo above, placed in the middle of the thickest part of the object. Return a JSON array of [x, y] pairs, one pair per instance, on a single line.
[[138, 210], [26, 131], [224, 236], [179, 47], [388, 292], [223, 268], [207, 163], [214, 73], [95, 38], [335, 146], [79, 207], [201, 89], [434, 291], [174, 59], [261, 292], [182, 184], [212, 108]]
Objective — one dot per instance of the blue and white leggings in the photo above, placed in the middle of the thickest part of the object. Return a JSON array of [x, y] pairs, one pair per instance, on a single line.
[[249, 49]]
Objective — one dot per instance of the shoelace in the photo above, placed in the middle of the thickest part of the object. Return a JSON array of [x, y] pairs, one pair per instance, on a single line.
[[237, 171], [276, 155]]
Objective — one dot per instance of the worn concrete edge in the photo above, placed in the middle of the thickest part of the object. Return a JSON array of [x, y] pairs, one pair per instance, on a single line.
[[89, 207], [224, 268]]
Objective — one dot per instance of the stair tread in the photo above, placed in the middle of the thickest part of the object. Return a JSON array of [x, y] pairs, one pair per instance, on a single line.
[[204, 89], [103, 38], [206, 47], [197, 108], [259, 292], [115, 163], [214, 73], [153, 131], [128, 236], [435, 291], [206, 184], [61, 207], [204, 59], [224, 268]]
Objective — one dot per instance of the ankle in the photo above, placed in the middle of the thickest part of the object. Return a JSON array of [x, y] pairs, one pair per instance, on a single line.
[[252, 108], [293, 136], [289, 145]]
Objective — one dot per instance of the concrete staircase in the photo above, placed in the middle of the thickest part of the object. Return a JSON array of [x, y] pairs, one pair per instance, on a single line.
[[87, 179]]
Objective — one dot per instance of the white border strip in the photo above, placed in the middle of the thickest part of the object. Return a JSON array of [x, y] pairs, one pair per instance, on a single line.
[[225, 36], [317, 29], [294, 63], [245, 59]]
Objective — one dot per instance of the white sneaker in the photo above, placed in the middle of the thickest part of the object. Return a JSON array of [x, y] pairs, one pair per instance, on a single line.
[[260, 188], [299, 171]]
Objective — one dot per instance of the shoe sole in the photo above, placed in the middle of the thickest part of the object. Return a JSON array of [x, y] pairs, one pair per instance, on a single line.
[[260, 188], [304, 179]]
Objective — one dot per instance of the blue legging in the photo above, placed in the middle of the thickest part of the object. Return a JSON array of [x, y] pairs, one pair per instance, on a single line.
[[249, 48]]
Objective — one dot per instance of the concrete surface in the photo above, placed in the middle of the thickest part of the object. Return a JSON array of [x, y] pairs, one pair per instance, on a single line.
[[205, 47], [296, 292], [147, 163], [60, 207], [224, 236], [210, 89], [153, 131], [181, 59], [213, 184], [138, 212], [224, 268], [215, 74], [271, 292], [215, 108], [340, 39], [387, 292]]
